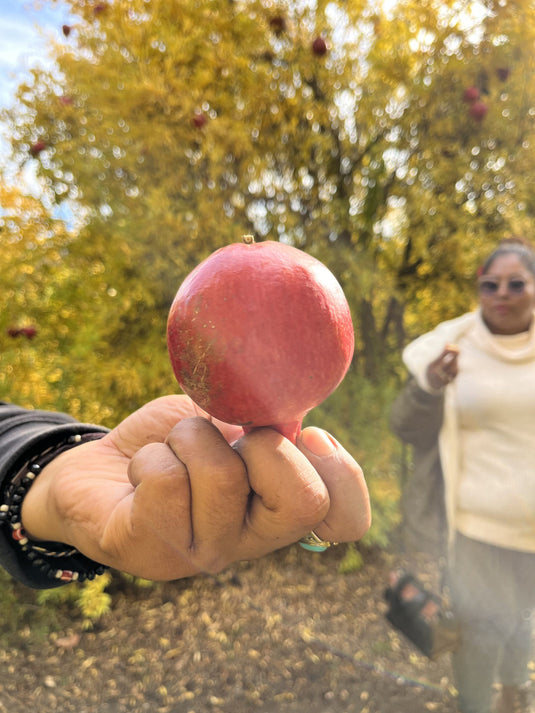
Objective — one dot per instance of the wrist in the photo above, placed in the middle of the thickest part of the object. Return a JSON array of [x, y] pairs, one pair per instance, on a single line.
[[34, 525], [435, 385], [39, 517]]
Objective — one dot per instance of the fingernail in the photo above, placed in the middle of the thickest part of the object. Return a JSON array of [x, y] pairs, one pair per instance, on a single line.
[[317, 441]]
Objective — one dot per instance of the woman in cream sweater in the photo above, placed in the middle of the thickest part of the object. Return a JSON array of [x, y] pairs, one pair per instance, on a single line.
[[469, 410]]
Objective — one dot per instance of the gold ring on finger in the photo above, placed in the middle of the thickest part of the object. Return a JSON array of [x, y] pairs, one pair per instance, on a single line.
[[314, 543]]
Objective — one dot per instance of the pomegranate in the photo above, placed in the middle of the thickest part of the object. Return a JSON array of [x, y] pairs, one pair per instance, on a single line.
[[260, 333], [478, 110], [471, 94], [278, 24], [319, 46], [199, 120], [503, 73], [37, 147]]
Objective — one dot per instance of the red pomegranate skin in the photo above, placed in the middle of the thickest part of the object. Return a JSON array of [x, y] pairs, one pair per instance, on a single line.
[[259, 334]]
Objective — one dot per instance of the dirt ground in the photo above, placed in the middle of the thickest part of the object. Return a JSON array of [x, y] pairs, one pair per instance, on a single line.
[[286, 634]]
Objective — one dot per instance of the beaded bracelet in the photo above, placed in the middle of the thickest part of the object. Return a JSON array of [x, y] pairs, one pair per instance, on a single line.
[[56, 561]]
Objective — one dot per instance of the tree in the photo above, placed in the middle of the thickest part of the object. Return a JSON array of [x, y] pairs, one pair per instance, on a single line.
[[179, 127], [343, 128], [30, 262]]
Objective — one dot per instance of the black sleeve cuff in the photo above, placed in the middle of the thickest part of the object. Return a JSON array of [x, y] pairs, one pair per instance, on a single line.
[[24, 436]]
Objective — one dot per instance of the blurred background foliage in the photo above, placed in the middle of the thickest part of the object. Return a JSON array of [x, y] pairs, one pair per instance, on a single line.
[[169, 129]]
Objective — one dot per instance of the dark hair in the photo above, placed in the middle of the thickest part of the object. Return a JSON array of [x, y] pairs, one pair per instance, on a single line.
[[512, 246]]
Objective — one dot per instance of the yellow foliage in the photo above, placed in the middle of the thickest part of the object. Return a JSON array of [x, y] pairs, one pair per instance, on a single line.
[[93, 601], [171, 129]]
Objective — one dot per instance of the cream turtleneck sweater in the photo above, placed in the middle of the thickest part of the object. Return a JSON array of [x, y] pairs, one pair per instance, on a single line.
[[487, 443]]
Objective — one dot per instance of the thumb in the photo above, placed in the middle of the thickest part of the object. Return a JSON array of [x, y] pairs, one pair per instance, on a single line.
[[349, 515]]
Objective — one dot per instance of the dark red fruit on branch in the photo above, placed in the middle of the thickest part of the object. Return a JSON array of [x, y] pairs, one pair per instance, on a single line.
[[37, 147], [199, 120], [478, 110], [319, 46], [471, 94], [28, 332], [503, 73], [259, 334], [278, 24]]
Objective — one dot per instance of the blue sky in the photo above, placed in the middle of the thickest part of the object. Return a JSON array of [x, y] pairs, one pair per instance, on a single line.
[[24, 26]]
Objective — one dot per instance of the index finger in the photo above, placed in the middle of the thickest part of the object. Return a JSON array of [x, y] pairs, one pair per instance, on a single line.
[[153, 422]]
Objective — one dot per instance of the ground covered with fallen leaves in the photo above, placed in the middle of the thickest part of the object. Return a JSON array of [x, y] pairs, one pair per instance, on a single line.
[[285, 634]]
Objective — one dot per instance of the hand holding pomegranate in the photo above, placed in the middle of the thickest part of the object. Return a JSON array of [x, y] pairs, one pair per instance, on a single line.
[[164, 495], [258, 335]]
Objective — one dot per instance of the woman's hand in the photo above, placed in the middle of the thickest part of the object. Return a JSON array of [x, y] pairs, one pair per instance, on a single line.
[[443, 370], [164, 495]]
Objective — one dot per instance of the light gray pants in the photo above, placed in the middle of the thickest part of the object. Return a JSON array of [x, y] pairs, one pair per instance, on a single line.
[[493, 596]]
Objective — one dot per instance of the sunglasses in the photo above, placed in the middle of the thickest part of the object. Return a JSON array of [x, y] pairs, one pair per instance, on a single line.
[[491, 287]]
